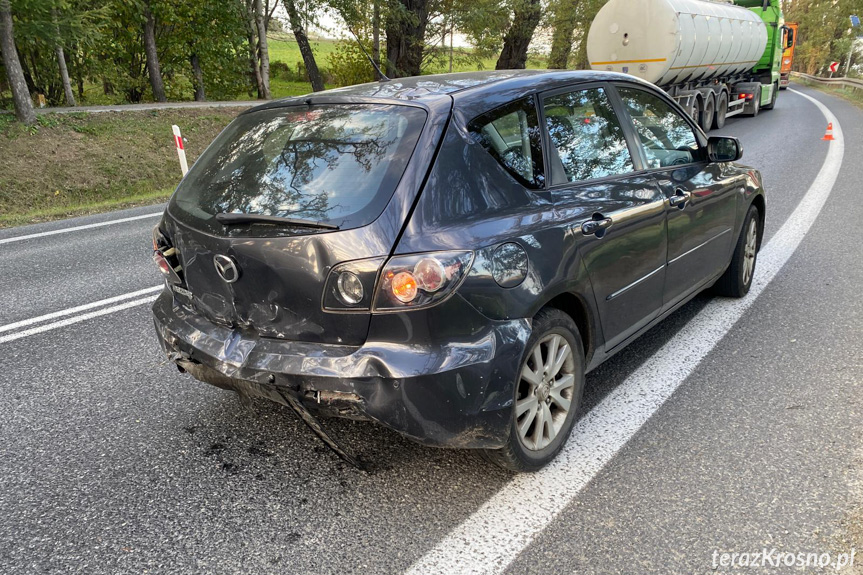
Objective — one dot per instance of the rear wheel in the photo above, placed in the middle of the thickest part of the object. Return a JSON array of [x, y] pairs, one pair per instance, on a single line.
[[737, 279], [721, 111], [707, 113], [547, 394]]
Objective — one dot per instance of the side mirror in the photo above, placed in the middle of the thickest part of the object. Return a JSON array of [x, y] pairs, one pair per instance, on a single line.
[[724, 149], [789, 40]]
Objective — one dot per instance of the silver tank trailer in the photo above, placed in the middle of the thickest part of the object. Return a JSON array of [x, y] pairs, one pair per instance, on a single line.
[[668, 42]]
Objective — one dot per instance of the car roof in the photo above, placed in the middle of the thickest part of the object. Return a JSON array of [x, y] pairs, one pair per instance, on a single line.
[[466, 87]]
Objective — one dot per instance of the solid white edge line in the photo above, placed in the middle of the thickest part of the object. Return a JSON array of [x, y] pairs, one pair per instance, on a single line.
[[77, 228], [77, 309], [494, 535], [76, 319]]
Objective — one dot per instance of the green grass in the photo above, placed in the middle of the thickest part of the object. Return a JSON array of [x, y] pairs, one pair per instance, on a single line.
[[72, 164]]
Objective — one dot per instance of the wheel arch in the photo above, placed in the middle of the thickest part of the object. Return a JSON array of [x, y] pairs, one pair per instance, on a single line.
[[576, 307]]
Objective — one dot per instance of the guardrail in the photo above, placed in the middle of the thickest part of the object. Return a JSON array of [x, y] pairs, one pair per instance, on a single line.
[[844, 82]]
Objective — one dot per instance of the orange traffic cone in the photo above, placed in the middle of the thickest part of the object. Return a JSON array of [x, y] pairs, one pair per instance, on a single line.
[[829, 135]]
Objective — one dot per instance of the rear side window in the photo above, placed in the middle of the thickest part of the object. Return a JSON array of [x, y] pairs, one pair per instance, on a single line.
[[511, 134], [338, 164], [587, 140]]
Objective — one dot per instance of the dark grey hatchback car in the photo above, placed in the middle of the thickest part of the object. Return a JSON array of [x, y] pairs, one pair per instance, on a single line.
[[449, 255]]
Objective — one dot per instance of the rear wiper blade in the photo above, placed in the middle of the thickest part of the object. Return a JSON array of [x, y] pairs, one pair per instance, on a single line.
[[234, 218]]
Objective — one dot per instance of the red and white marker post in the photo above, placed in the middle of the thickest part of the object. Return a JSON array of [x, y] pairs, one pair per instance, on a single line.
[[181, 152]]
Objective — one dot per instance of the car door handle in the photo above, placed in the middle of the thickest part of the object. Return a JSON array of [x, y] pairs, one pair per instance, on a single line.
[[596, 226], [679, 199]]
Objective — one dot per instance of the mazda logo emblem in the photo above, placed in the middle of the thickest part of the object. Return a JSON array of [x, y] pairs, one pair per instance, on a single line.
[[227, 268]]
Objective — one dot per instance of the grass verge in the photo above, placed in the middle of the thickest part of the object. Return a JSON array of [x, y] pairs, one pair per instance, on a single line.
[[849, 94], [74, 164]]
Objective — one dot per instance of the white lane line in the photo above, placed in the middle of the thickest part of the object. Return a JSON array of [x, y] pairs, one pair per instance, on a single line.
[[490, 539], [75, 319], [77, 309], [78, 228]]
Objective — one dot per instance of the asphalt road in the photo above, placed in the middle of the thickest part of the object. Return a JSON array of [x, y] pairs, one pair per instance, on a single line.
[[112, 462]]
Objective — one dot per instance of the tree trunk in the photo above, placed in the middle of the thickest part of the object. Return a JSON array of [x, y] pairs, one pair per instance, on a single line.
[[14, 74], [251, 35], [376, 36], [517, 39], [153, 68], [305, 48], [79, 76], [61, 62], [197, 78], [406, 27], [263, 50], [565, 20]]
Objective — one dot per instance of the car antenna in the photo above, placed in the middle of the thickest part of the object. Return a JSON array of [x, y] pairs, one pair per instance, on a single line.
[[381, 75]]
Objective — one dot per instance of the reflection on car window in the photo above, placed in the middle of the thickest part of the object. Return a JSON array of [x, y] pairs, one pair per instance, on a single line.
[[587, 140], [666, 138], [338, 164], [511, 134]]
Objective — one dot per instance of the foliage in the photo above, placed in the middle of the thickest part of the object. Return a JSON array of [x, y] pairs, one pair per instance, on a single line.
[[348, 64], [825, 32]]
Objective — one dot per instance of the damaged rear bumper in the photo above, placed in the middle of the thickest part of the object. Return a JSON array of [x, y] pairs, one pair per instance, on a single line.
[[454, 393]]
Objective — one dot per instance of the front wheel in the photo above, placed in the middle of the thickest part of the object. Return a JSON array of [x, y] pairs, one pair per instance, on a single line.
[[773, 98], [737, 279], [547, 394]]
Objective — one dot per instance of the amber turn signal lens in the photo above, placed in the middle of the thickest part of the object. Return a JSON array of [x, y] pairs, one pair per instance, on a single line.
[[404, 287]]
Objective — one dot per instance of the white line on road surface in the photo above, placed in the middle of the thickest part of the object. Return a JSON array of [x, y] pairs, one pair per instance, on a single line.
[[490, 539], [78, 228], [75, 319], [77, 309]]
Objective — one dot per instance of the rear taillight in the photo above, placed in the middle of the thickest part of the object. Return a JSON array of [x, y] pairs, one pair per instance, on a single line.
[[419, 281], [166, 258]]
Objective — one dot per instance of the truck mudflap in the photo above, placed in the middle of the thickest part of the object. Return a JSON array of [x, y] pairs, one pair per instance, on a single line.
[[457, 393]]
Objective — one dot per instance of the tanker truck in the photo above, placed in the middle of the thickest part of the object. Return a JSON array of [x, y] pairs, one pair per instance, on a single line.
[[716, 58]]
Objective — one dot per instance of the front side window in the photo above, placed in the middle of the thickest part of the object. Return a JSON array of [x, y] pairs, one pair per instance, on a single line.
[[511, 134], [665, 136], [587, 140], [338, 164]]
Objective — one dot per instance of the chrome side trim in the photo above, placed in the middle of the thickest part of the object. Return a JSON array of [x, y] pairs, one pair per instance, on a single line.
[[719, 235], [635, 283]]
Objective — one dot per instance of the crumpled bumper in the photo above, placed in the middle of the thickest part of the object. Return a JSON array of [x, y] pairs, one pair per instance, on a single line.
[[456, 392]]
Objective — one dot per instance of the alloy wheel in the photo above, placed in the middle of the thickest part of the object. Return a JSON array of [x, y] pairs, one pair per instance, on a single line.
[[545, 392], [749, 252]]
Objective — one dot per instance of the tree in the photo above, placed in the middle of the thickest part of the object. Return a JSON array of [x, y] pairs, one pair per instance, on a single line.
[[153, 67], [263, 49], [405, 31], [564, 21], [15, 75], [61, 60], [299, 31], [525, 19]]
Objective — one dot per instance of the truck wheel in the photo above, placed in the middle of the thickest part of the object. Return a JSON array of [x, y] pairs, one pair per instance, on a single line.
[[721, 111], [707, 113], [547, 394], [773, 97], [754, 106]]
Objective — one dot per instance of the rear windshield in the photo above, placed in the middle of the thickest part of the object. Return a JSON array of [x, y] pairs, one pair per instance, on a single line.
[[335, 164]]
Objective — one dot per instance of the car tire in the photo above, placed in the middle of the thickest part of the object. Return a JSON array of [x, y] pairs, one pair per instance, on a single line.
[[542, 390], [737, 279]]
